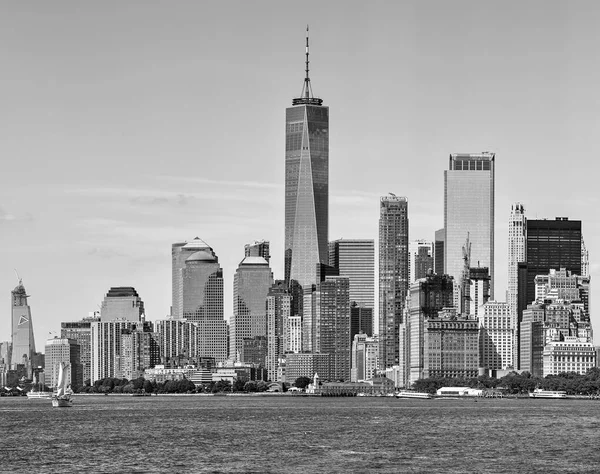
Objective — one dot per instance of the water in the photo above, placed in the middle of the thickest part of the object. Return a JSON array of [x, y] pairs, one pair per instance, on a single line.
[[299, 434]]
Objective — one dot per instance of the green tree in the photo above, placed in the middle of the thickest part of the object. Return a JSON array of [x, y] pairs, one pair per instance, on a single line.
[[302, 382]]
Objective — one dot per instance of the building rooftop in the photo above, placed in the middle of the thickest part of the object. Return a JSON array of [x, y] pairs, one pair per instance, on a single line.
[[254, 261], [121, 291], [202, 256]]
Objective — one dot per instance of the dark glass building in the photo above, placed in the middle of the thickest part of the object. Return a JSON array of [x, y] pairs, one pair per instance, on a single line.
[[393, 275], [306, 185]]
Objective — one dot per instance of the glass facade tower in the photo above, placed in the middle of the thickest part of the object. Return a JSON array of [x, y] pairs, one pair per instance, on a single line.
[[23, 342], [306, 185], [393, 275], [469, 212]]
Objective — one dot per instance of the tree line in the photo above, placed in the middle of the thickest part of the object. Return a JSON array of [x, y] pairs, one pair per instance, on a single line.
[[514, 383]]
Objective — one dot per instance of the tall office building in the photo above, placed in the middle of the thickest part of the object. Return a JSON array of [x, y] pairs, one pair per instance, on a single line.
[[420, 259], [251, 284], [355, 259], [279, 303], [332, 324], [180, 251], [393, 275], [202, 302], [106, 337], [426, 299], [438, 256], [365, 352], [469, 212], [63, 350], [81, 332], [23, 342], [140, 350], [551, 244], [496, 336], [122, 304], [306, 185], [517, 238]]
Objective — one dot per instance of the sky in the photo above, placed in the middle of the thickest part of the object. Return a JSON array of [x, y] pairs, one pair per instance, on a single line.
[[127, 126]]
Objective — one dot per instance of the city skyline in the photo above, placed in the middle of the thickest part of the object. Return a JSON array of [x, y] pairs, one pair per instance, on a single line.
[[106, 170]]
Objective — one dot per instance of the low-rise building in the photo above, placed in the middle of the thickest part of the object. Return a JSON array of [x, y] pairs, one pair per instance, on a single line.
[[571, 355]]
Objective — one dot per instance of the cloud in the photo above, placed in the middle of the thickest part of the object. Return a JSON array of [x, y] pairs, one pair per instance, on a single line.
[[161, 197], [243, 184], [8, 217]]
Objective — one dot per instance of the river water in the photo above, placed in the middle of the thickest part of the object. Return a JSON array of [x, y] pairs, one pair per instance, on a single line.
[[299, 434]]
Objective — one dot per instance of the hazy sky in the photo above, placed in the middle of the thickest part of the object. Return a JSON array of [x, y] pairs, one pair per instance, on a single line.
[[127, 126]]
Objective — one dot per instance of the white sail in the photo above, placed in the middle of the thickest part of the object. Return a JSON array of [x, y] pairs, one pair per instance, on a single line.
[[60, 389]]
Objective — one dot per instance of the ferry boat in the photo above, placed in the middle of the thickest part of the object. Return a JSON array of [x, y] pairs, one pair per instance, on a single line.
[[539, 393], [411, 394], [35, 394]]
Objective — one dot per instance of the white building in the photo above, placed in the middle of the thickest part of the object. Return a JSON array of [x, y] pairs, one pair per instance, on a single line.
[[496, 336], [365, 357], [571, 355]]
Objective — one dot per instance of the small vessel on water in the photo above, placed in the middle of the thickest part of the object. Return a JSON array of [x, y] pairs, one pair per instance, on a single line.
[[62, 396], [411, 394], [539, 393], [37, 394]]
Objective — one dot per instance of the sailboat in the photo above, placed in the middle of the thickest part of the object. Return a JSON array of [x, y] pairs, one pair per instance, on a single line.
[[62, 396]]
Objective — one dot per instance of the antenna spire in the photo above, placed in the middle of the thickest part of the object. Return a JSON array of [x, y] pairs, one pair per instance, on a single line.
[[307, 79], [306, 97]]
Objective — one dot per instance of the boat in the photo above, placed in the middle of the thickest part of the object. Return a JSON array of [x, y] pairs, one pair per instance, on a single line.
[[411, 394], [62, 396], [539, 393], [37, 394], [33, 394]]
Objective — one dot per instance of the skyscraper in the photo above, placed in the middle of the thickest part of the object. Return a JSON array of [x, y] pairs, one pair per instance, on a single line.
[[251, 284], [469, 211], [420, 259], [438, 258], [23, 342], [122, 304], [355, 259], [202, 302], [549, 244], [80, 331], [393, 275], [279, 303], [63, 350], [180, 251], [306, 184], [517, 235]]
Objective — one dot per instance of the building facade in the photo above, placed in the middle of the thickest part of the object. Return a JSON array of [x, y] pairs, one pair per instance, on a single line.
[[140, 350], [469, 212], [306, 185], [280, 334], [22, 341], [420, 259], [438, 252], [393, 275], [355, 259], [63, 350], [251, 284], [122, 304], [517, 240], [496, 336], [365, 355], [180, 251], [81, 331], [571, 355]]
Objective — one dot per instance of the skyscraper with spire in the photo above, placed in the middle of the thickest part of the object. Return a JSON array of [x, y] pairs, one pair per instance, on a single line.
[[23, 342], [306, 184]]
